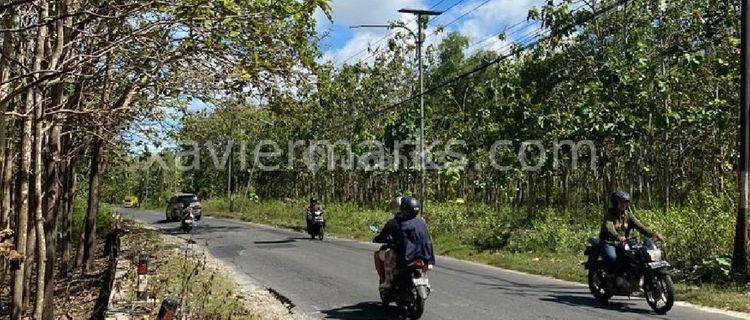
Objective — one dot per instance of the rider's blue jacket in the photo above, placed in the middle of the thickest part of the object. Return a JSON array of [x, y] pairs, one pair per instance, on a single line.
[[410, 238], [414, 242]]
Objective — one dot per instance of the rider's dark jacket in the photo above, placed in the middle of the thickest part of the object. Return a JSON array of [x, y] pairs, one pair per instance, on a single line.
[[410, 238], [615, 225]]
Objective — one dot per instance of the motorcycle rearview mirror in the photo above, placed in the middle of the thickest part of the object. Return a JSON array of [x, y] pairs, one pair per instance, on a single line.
[[374, 229]]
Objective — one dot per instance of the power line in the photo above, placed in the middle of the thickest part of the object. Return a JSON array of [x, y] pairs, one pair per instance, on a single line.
[[437, 4], [390, 33], [497, 60], [434, 32], [510, 35], [495, 35], [461, 16], [449, 9]]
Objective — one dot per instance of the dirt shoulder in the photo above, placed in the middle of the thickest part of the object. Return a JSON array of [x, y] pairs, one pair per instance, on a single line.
[[205, 287]]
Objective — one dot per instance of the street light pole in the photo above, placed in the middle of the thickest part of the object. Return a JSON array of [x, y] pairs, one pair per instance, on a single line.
[[740, 253], [422, 16], [230, 142], [420, 40]]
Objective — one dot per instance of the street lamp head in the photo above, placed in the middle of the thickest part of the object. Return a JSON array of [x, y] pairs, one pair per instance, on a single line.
[[370, 26], [421, 12]]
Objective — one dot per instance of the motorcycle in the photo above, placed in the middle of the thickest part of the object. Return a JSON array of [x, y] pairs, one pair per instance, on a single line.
[[643, 268], [410, 288], [187, 220], [316, 225]]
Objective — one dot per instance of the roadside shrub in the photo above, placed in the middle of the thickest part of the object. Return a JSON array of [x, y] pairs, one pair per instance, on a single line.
[[713, 270], [702, 229], [551, 231], [490, 233], [104, 220]]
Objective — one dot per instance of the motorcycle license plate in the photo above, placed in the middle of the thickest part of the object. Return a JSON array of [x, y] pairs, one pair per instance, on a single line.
[[421, 282], [658, 264]]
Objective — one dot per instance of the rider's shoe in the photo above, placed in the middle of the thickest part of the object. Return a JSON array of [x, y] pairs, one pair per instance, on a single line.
[[385, 286]]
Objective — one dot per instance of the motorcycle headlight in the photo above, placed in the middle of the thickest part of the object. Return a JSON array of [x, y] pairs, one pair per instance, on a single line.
[[654, 254]]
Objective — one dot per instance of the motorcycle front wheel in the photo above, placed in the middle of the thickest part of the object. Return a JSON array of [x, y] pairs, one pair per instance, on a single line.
[[597, 286], [320, 233], [660, 293]]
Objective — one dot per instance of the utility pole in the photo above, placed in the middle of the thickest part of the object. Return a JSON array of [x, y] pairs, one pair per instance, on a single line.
[[230, 142], [740, 254], [148, 179], [145, 159], [422, 17]]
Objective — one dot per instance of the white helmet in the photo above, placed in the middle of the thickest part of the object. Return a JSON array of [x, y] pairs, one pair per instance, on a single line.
[[395, 205]]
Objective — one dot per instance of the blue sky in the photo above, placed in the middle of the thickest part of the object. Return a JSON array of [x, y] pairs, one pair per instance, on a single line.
[[489, 19]]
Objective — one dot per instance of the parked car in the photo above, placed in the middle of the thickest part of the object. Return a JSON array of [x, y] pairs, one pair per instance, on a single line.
[[131, 202], [179, 201]]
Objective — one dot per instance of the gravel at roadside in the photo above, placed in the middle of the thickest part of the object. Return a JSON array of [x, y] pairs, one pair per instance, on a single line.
[[214, 289]]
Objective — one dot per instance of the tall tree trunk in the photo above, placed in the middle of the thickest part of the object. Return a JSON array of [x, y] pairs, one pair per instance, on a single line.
[[6, 184], [92, 209], [22, 210], [4, 88], [41, 245], [51, 210], [70, 185], [30, 245], [52, 174]]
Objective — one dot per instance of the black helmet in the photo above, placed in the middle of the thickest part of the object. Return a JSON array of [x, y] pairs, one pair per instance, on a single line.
[[618, 196], [410, 207], [313, 199]]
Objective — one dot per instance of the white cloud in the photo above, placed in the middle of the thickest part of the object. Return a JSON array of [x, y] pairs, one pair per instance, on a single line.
[[491, 18], [478, 25], [357, 45], [353, 12], [347, 13]]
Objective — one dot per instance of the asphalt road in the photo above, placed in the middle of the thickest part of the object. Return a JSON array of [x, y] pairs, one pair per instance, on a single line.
[[335, 279]]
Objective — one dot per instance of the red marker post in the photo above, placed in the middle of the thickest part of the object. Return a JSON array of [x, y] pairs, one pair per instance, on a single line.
[[142, 281]]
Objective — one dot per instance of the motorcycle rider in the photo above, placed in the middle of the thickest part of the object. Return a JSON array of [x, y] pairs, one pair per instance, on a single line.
[[407, 235], [385, 257], [310, 210], [615, 230]]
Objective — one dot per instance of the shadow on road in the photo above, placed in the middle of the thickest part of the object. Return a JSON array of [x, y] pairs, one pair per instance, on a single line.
[[536, 290], [570, 295], [585, 301], [200, 229], [287, 240], [363, 310]]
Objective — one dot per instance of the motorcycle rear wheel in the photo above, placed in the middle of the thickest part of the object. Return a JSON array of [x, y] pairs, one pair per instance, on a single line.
[[417, 308], [661, 284], [597, 285]]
